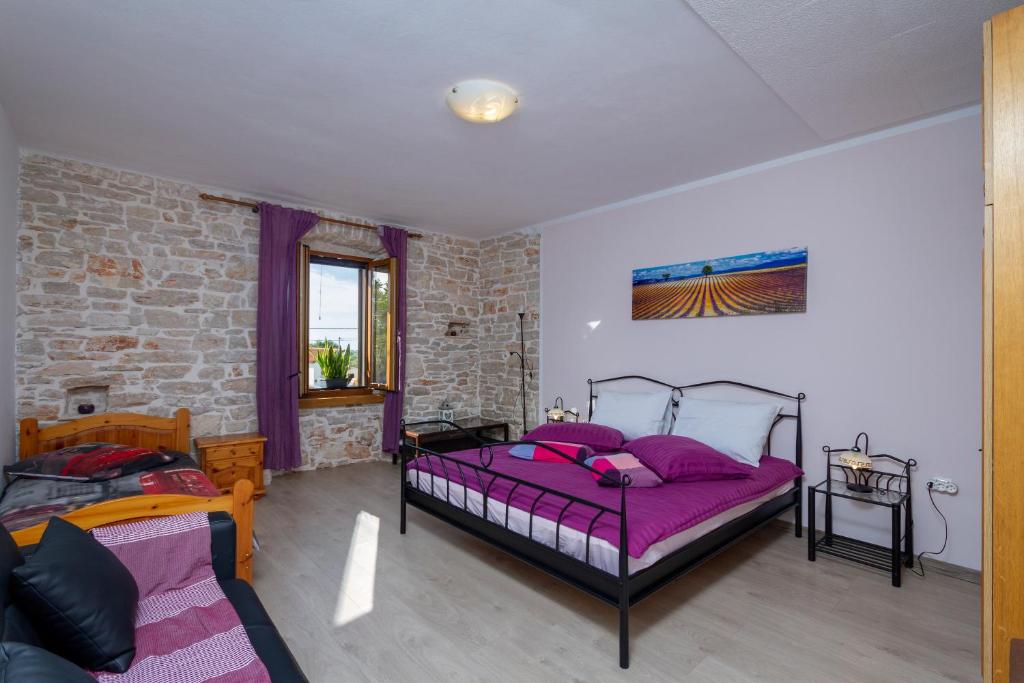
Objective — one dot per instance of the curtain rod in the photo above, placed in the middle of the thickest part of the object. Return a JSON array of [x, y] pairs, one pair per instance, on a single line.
[[323, 219]]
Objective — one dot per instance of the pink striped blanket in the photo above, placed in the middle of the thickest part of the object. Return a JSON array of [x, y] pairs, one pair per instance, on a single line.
[[186, 631]]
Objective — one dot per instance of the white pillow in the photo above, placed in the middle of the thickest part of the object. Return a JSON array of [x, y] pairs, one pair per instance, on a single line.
[[738, 430], [633, 414]]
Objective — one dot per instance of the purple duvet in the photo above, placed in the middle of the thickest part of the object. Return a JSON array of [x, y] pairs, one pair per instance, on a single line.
[[652, 514]]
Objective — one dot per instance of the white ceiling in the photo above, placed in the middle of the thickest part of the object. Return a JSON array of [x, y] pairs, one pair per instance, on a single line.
[[849, 66], [340, 103]]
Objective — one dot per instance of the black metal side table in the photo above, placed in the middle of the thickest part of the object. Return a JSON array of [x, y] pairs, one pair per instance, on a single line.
[[445, 437], [866, 484]]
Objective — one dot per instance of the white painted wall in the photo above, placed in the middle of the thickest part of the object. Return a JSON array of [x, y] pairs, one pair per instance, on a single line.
[[8, 281], [890, 343]]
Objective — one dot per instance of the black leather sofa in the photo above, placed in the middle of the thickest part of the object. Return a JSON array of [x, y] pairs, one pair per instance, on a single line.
[[269, 646]]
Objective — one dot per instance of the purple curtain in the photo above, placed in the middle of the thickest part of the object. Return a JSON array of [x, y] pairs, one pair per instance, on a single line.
[[396, 242], [277, 353]]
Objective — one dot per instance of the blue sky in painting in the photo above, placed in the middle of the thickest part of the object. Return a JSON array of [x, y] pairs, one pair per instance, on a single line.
[[759, 259]]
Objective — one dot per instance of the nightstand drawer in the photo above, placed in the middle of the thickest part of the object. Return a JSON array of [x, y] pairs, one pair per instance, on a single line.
[[225, 473], [231, 452]]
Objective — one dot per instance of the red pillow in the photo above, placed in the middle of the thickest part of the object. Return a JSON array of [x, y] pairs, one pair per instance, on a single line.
[[90, 462], [551, 451], [599, 437], [680, 458]]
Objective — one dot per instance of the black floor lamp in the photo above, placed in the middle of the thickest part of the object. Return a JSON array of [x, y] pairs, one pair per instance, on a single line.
[[524, 365]]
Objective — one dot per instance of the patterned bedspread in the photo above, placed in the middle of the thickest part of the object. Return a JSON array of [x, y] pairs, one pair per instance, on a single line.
[[27, 502], [186, 630]]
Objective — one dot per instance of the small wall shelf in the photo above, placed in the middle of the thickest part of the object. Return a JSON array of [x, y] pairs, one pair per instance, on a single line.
[[457, 328]]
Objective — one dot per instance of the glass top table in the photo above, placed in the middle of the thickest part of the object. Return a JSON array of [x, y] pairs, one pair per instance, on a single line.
[[877, 496]]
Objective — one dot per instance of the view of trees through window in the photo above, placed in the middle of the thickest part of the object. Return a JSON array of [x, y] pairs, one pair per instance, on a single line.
[[381, 300], [335, 317], [345, 304]]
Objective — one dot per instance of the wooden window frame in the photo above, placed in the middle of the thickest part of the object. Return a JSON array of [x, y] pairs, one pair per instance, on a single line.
[[369, 392], [391, 371]]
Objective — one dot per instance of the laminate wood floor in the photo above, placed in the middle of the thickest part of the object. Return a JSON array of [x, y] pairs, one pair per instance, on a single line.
[[357, 601]]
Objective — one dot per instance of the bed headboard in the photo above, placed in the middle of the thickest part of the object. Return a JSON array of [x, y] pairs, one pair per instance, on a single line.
[[131, 429], [678, 391]]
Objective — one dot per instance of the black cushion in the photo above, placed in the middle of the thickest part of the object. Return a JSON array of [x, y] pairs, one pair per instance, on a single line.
[[10, 557], [18, 628], [263, 635], [21, 662], [80, 598], [222, 544], [14, 625]]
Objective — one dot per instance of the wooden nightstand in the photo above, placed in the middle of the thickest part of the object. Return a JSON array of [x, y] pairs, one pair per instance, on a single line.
[[226, 459]]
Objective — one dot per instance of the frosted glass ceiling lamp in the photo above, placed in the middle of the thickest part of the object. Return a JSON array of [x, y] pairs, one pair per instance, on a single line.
[[482, 101]]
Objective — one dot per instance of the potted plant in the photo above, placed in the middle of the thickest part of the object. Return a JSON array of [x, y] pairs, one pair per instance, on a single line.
[[334, 364]]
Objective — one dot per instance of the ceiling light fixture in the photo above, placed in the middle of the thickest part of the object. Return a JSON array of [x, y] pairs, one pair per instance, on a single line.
[[482, 101]]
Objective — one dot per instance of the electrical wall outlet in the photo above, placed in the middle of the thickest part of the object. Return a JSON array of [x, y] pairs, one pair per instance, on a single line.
[[943, 485]]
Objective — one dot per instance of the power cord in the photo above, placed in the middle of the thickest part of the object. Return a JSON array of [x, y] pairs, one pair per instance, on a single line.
[[945, 536]]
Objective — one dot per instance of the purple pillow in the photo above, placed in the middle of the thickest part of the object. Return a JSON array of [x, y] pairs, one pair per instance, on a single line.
[[680, 458], [599, 437]]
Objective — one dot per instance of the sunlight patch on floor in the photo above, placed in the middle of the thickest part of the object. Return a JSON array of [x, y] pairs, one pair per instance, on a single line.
[[355, 594]]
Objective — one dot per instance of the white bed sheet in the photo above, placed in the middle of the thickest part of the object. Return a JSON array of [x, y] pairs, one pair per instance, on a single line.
[[573, 542]]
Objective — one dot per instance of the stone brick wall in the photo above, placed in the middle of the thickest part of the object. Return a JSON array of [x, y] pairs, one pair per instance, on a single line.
[[509, 284], [441, 287], [133, 291]]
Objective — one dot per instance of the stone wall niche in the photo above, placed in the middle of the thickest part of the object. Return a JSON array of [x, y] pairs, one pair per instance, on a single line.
[[79, 400]]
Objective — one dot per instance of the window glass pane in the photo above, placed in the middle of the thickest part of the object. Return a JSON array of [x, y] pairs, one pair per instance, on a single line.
[[381, 301], [335, 312]]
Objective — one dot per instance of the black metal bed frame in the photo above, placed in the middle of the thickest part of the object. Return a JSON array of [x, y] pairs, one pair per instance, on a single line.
[[621, 590]]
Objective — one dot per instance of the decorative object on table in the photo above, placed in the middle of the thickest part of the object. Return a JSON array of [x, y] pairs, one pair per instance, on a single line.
[[446, 413], [748, 284], [859, 464], [868, 484], [524, 366], [443, 438], [334, 363], [558, 413], [226, 459]]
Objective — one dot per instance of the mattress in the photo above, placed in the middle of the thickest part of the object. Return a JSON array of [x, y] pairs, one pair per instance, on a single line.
[[660, 520]]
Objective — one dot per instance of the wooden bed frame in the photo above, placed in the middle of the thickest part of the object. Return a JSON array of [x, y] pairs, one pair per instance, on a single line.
[[146, 431]]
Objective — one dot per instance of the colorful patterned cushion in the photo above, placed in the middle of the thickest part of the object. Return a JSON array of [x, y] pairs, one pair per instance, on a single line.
[[90, 462], [618, 465], [680, 458], [598, 437], [551, 451]]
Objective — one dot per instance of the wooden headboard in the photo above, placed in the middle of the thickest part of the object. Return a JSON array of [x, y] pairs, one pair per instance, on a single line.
[[131, 429]]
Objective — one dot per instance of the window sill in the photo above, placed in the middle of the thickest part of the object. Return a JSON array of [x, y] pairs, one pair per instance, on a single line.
[[351, 399]]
